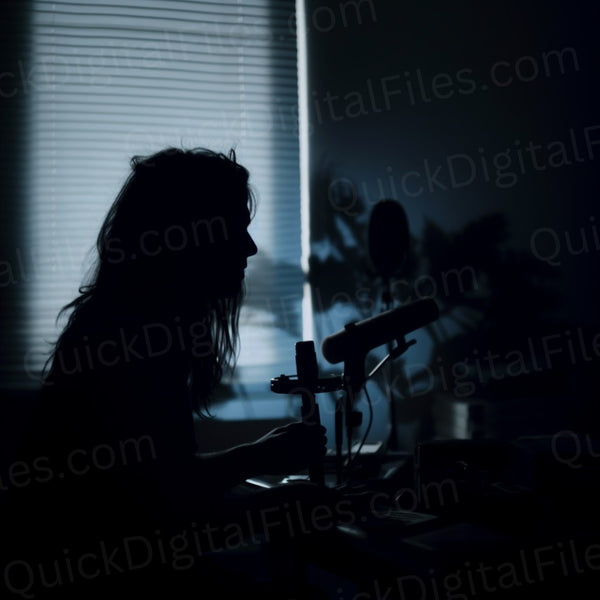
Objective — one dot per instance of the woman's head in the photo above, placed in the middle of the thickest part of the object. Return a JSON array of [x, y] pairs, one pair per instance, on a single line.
[[174, 245], [178, 229]]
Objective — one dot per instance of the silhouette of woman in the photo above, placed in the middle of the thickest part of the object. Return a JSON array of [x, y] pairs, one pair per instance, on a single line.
[[111, 444]]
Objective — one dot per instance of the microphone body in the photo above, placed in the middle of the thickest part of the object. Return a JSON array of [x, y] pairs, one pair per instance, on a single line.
[[388, 238], [308, 377], [378, 330]]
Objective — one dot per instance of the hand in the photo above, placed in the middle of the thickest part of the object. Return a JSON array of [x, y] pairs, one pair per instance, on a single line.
[[289, 449]]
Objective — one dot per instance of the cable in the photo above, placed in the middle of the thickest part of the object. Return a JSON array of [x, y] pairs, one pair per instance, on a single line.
[[352, 459]]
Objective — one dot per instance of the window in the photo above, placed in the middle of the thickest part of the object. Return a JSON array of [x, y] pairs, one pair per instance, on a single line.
[[110, 80]]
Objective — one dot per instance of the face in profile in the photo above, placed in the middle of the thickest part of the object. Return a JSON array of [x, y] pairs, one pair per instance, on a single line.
[[213, 263], [176, 238], [228, 250]]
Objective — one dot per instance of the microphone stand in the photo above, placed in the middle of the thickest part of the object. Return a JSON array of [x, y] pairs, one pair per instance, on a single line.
[[307, 384], [393, 438], [352, 382]]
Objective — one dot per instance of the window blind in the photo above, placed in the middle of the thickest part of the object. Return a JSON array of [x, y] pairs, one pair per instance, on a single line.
[[110, 80]]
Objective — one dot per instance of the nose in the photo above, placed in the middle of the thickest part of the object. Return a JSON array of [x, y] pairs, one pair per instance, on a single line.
[[251, 248]]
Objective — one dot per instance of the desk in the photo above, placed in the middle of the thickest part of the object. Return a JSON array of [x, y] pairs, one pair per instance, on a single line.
[[461, 560], [496, 541]]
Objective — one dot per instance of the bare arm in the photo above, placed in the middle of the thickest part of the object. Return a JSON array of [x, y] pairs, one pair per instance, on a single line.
[[282, 451], [228, 468]]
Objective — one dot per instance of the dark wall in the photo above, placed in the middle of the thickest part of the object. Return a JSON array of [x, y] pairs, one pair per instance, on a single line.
[[14, 89], [14, 69], [461, 112]]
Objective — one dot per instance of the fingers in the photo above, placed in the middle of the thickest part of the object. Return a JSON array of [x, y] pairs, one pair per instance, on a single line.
[[318, 444], [311, 440], [316, 434]]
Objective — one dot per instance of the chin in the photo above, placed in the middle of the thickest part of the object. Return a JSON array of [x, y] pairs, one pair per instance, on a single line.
[[230, 289]]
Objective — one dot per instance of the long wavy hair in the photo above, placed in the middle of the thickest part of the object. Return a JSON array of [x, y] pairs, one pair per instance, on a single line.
[[139, 276]]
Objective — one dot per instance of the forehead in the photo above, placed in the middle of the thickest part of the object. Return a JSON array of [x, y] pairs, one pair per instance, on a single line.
[[237, 209], [231, 218]]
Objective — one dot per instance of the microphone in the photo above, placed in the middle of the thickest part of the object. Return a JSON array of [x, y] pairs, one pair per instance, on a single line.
[[308, 375], [376, 331], [388, 237]]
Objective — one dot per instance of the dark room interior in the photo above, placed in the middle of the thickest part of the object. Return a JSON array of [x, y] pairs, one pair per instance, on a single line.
[[425, 184]]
